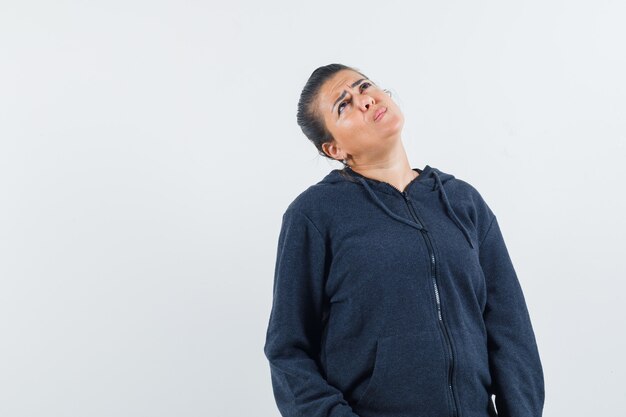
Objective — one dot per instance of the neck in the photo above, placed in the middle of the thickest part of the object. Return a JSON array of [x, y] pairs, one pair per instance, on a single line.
[[393, 168]]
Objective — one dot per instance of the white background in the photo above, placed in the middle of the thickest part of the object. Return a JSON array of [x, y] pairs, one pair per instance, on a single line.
[[149, 148]]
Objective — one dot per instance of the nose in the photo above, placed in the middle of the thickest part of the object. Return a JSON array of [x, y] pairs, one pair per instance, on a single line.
[[365, 101]]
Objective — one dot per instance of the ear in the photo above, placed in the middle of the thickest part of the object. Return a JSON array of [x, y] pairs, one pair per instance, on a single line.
[[331, 149]]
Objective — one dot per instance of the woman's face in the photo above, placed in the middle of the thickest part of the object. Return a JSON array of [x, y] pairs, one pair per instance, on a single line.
[[348, 104]]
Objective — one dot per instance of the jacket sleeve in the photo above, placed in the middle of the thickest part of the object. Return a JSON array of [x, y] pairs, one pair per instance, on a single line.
[[294, 331], [514, 361]]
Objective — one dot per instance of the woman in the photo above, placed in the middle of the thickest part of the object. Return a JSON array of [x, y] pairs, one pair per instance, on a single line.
[[394, 293]]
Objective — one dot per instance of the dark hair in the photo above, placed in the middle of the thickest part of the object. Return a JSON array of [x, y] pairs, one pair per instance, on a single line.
[[309, 119]]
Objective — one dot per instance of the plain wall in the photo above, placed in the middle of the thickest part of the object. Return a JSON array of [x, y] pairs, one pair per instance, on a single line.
[[149, 148]]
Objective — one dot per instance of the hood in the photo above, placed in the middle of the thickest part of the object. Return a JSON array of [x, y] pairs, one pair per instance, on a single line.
[[430, 177]]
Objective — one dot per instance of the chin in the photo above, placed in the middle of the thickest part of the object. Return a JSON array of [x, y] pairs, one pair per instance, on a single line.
[[394, 127]]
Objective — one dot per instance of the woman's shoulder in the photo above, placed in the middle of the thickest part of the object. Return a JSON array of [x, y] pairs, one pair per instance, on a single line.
[[465, 196], [313, 199], [462, 186], [320, 200]]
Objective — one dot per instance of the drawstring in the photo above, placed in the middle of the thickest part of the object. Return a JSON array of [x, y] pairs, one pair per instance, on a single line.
[[449, 209], [451, 212], [384, 207]]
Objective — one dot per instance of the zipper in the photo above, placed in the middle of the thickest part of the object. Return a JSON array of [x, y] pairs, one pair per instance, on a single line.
[[433, 269]]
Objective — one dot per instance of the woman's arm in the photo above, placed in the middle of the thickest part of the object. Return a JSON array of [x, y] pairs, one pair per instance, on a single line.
[[514, 360], [295, 325]]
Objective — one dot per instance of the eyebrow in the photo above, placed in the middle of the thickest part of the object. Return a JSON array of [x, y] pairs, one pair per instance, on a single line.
[[354, 84]]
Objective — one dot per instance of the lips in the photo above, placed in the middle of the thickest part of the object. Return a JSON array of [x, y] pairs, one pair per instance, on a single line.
[[379, 112]]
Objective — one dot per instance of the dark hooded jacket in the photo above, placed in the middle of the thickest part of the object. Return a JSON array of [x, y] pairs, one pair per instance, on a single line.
[[390, 303]]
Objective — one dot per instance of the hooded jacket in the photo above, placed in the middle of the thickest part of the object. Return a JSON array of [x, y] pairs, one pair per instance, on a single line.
[[390, 303]]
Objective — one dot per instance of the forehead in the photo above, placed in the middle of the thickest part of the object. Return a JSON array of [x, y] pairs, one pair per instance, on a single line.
[[337, 83]]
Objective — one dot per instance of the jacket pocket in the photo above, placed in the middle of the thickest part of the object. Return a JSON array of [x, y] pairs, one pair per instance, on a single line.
[[409, 375], [375, 374]]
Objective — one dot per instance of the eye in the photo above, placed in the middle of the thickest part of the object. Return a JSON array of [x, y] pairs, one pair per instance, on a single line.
[[347, 101]]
